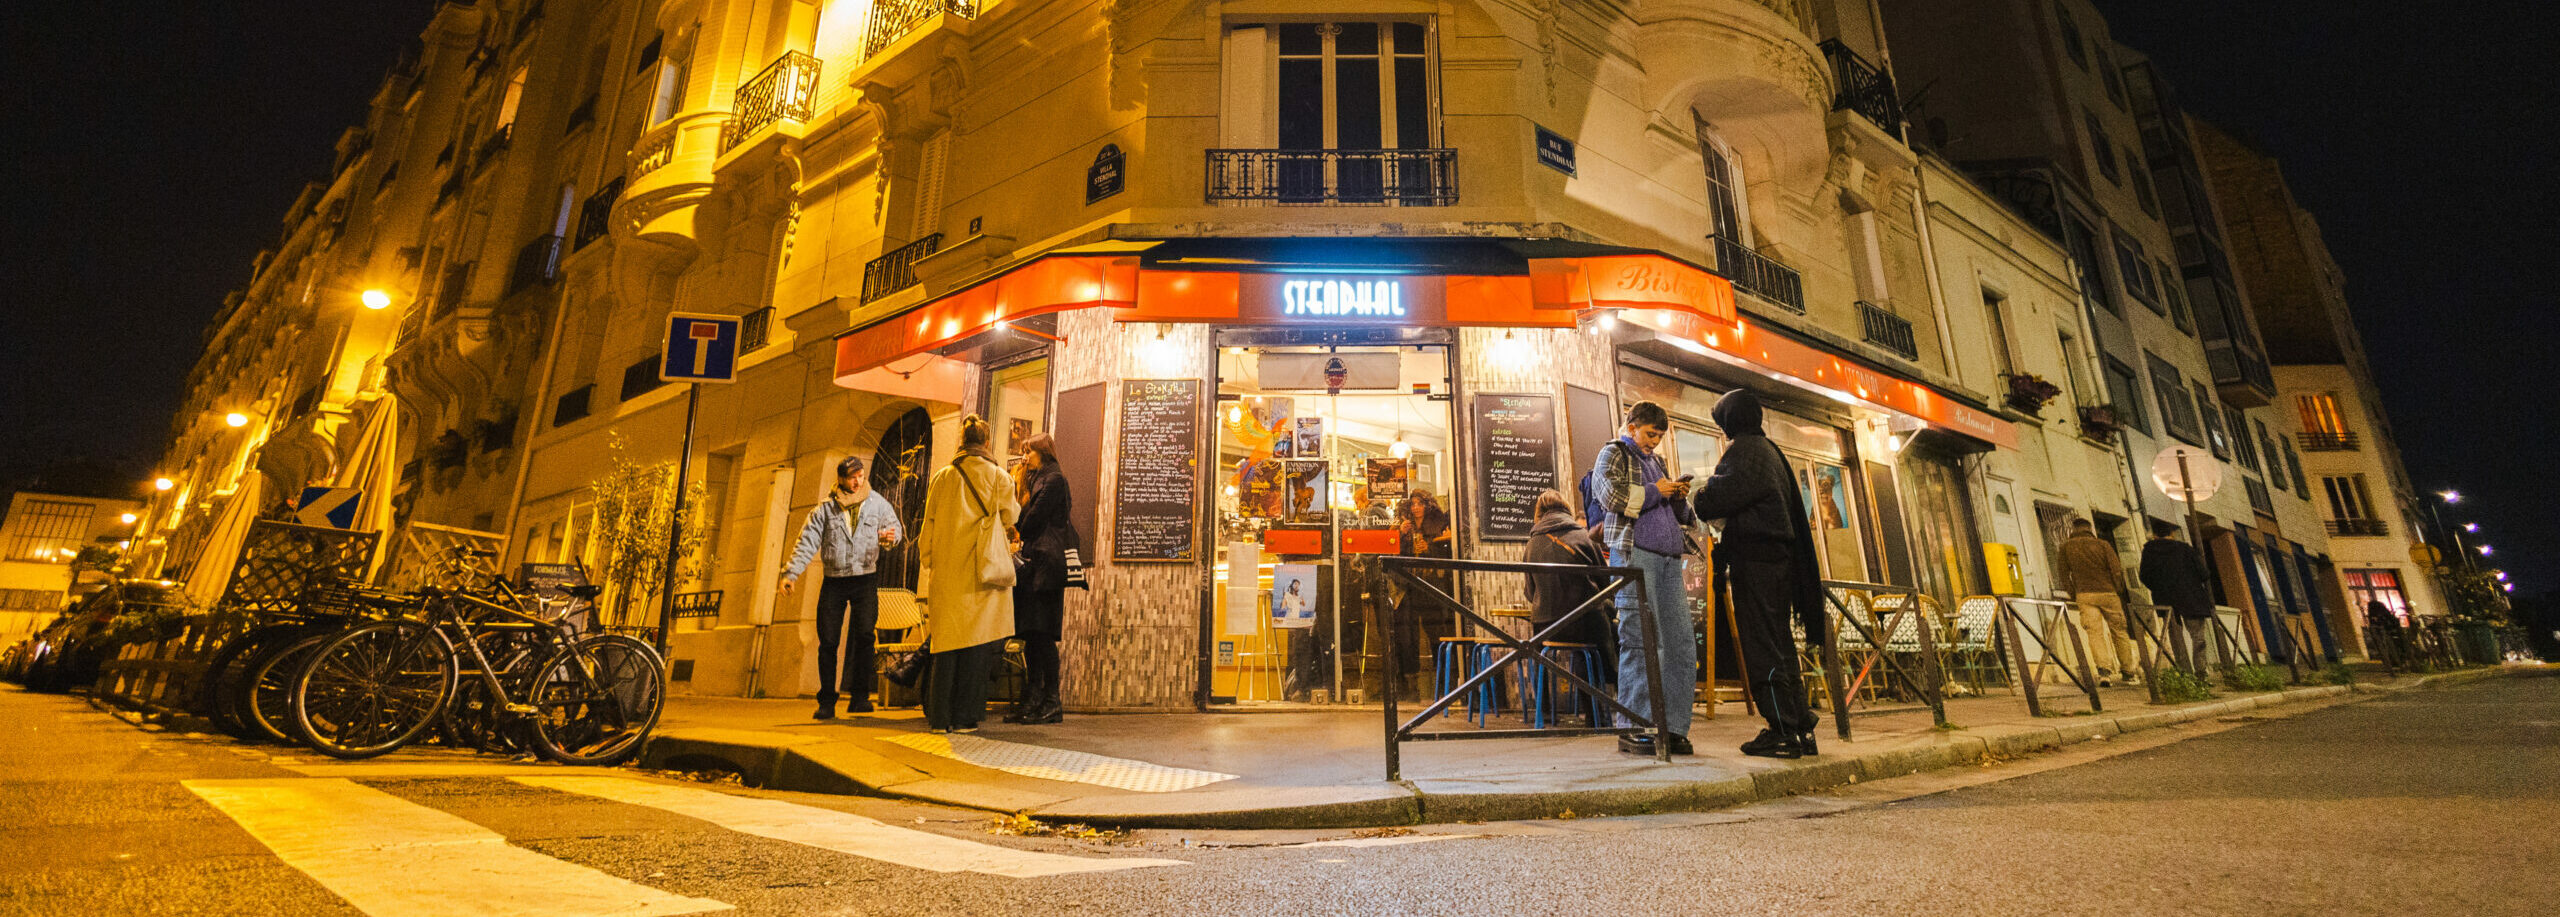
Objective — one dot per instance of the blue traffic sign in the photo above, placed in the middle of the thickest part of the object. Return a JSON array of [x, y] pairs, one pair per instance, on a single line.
[[699, 348], [333, 507]]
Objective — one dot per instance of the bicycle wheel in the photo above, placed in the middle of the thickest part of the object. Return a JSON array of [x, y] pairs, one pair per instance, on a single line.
[[218, 689], [594, 700], [265, 697], [473, 720], [373, 688]]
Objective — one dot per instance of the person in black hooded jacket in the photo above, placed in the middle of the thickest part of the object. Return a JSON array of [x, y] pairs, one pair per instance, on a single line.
[[1767, 559]]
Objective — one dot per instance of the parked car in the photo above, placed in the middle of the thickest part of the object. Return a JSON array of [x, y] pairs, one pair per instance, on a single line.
[[69, 652]]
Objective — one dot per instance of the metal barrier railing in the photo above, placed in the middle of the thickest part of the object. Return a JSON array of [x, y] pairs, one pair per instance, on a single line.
[[2013, 623], [1907, 616], [1400, 570]]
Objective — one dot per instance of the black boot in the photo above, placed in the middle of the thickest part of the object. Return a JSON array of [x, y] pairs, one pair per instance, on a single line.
[[1773, 744], [1050, 710]]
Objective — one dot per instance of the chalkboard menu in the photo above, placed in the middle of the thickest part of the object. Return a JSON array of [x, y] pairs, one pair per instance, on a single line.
[[1515, 459], [1158, 478]]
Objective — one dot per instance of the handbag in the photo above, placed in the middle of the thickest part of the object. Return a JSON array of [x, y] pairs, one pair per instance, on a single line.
[[1075, 571], [995, 561]]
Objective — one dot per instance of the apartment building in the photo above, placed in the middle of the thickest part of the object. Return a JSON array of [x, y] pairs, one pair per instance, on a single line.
[[40, 538]]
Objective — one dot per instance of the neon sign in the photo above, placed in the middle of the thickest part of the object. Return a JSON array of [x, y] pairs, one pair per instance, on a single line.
[[1343, 298]]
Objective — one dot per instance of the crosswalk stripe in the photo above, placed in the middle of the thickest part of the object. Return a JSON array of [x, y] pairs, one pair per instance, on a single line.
[[394, 858], [842, 832]]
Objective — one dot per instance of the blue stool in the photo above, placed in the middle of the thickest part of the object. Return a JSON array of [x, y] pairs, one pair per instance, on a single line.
[[1585, 662]]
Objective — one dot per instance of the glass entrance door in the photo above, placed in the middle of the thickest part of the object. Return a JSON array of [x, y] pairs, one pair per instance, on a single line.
[[1319, 450]]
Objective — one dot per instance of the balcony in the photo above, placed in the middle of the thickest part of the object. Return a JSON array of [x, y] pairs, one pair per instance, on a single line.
[[537, 263], [595, 215], [655, 148], [2358, 528], [490, 147], [1408, 178], [785, 91], [2329, 442], [755, 330], [896, 270], [1863, 88], [1760, 275], [1889, 331], [895, 19]]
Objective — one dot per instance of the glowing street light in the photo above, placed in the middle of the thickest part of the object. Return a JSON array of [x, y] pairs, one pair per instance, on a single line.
[[2485, 550], [2473, 527], [236, 419], [129, 518], [162, 483], [2501, 575], [2450, 496], [376, 300]]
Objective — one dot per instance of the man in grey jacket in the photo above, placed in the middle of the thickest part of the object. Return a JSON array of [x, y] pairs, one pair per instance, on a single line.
[[2094, 576], [1768, 552], [847, 531]]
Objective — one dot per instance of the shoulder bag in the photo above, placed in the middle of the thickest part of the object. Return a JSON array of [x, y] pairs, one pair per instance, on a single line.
[[995, 554]]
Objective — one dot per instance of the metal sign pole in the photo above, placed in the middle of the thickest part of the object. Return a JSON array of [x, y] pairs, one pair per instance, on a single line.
[[675, 522]]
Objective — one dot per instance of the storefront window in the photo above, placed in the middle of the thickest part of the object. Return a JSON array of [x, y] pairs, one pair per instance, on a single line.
[[1940, 526], [2365, 587], [1018, 401]]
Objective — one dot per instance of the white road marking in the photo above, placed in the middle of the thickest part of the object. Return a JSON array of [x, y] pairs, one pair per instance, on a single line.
[[841, 832], [1380, 841], [1059, 764], [394, 858]]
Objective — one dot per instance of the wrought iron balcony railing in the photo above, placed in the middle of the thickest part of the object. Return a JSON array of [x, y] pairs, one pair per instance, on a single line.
[[1887, 330], [2330, 442], [785, 91], [538, 262], [595, 215], [2365, 528], [895, 19], [1759, 275], [1863, 88], [896, 270], [755, 330], [1409, 178], [491, 146]]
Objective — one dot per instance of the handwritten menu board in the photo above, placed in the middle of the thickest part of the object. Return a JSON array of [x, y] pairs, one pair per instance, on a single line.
[[1515, 440], [1158, 483]]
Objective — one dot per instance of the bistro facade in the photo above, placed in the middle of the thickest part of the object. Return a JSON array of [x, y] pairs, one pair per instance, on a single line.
[[1241, 420]]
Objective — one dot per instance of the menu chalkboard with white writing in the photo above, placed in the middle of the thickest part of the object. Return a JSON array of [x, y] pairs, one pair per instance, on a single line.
[[1157, 485], [1515, 439]]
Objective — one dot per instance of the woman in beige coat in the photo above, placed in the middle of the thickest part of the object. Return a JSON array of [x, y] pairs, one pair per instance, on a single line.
[[967, 619]]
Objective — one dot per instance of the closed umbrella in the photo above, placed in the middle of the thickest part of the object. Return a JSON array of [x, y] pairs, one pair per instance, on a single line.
[[372, 467], [221, 552]]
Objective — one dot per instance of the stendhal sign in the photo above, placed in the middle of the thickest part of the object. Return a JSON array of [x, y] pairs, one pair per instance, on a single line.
[[1355, 298], [1343, 298]]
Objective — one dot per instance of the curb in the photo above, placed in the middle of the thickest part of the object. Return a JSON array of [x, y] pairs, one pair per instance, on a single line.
[[796, 763]]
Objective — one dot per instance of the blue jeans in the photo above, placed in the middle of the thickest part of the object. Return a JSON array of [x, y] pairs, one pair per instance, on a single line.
[[1679, 656]]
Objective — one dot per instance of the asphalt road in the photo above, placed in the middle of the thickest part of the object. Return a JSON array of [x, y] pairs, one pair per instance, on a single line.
[[2436, 802]]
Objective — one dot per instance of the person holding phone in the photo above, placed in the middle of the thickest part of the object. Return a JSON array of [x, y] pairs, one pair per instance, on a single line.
[[846, 532], [1645, 523]]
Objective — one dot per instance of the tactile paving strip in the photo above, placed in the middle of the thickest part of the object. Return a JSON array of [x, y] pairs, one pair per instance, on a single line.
[[1059, 764]]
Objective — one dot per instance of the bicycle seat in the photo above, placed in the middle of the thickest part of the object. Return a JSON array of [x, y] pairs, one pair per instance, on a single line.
[[580, 592]]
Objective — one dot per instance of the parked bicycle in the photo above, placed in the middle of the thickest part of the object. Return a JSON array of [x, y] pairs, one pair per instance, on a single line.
[[498, 668]]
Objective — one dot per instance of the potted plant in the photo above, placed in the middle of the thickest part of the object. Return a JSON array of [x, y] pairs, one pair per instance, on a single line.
[[2029, 392], [2098, 422]]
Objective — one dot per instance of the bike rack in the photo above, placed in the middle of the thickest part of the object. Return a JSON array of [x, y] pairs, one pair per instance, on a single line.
[[1401, 571]]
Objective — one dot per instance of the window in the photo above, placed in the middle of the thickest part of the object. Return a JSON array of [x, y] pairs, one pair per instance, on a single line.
[[2242, 444], [2103, 147], [1725, 197], [2074, 369], [2071, 44], [2083, 240], [2348, 501], [668, 96], [2134, 269], [2320, 413], [2142, 189], [2275, 457], [2216, 436], [641, 378], [49, 530], [1353, 86], [1994, 311], [2124, 391], [2108, 74], [507, 103], [573, 405], [2175, 297], [2293, 459], [2365, 587], [2177, 411]]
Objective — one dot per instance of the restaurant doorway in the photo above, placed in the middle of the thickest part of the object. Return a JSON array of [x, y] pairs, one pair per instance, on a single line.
[[1319, 448]]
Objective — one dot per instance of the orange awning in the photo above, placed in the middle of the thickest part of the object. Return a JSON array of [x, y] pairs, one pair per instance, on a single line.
[[1052, 284]]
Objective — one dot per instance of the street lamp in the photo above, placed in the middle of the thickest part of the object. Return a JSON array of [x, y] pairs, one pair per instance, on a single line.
[[2472, 527], [236, 419], [162, 483], [129, 518], [376, 300], [2450, 496], [2485, 550]]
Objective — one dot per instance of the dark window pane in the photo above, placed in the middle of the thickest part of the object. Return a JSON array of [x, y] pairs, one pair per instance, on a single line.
[[1302, 104], [1408, 37], [1300, 38], [1355, 104], [1413, 104], [1356, 38]]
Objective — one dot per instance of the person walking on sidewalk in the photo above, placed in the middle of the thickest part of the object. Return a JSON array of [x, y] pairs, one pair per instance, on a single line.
[[2094, 576], [1559, 538], [846, 534], [1040, 585], [1646, 527], [1768, 548], [2174, 573], [967, 617], [2382, 632]]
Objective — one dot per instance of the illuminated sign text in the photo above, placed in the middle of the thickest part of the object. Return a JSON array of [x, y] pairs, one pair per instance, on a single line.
[[1362, 298]]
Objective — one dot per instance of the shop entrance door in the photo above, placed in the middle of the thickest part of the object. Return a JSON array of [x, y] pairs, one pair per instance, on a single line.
[[1320, 448]]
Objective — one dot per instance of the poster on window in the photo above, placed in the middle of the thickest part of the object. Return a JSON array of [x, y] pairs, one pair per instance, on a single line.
[[1258, 494], [1389, 479], [1305, 489], [1310, 437], [1244, 595], [1293, 595], [1830, 497]]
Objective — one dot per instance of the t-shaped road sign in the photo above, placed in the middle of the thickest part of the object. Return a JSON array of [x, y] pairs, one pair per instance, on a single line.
[[700, 348]]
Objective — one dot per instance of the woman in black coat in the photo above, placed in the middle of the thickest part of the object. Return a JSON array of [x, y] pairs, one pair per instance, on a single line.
[[1040, 588]]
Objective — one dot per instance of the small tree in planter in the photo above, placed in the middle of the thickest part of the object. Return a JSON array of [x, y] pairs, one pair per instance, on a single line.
[[2029, 392], [2098, 422], [635, 502]]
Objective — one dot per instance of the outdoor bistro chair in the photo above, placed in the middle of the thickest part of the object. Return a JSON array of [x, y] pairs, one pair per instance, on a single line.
[[1903, 639], [1973, 646], [1855, 653]]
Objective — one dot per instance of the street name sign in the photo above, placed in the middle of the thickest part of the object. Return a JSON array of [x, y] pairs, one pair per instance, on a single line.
[[699, 348]]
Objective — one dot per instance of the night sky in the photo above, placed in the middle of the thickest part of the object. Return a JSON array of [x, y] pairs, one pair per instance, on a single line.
[[152, 147]]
